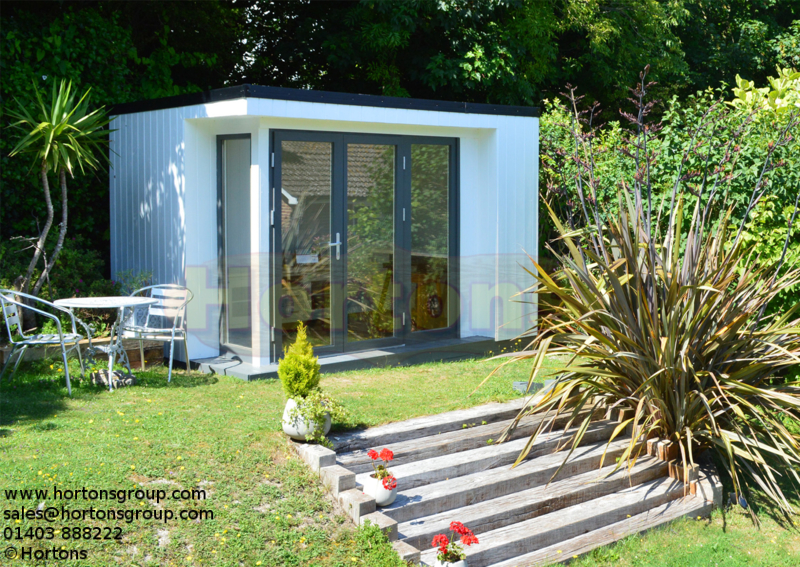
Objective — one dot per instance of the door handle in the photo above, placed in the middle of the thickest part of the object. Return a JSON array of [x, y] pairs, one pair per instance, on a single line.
[[338, 245]]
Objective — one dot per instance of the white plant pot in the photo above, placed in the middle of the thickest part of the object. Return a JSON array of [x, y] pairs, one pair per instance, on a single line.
[[462, 563], [299, 427], [374, 487]]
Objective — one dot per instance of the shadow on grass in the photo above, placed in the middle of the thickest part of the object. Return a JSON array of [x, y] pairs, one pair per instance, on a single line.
[[180, 379], [38, 392], [757, 500], [29, 398]]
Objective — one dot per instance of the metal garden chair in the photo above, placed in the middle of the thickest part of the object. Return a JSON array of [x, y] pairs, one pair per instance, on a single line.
[[164, 321], [68, 341]]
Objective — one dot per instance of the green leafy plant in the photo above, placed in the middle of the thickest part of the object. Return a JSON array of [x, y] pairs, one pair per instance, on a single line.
[[315, 408], [782, 96], [299, 368], [671, 325], [766, 233], [62, 135]]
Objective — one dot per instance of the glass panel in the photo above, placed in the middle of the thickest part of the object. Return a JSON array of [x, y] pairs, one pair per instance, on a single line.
[[370, 241], [306, 176], [236, 240], [430, 191]]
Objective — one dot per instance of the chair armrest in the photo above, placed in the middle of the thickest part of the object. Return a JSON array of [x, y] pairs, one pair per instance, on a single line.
[[35, 310], [182, 312], [86, 328], [71, 316], [75, 321]]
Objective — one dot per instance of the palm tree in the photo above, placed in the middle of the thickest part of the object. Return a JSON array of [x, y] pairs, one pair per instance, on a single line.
[[61, 136]]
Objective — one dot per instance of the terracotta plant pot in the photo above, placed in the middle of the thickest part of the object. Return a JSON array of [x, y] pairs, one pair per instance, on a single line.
[[298, 427], [461, 563], [374, 487]]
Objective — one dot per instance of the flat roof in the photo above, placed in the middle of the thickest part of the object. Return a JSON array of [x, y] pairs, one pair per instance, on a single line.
[[325, 97]]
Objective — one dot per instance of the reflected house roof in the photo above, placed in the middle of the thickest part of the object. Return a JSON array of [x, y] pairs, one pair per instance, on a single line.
[[306, 168], [366, 164]]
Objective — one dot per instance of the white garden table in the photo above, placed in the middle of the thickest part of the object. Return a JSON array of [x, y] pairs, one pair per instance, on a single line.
[[120, 303]]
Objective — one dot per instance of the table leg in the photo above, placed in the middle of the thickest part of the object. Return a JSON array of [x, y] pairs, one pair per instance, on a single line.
[[123, 354], [112, 350]]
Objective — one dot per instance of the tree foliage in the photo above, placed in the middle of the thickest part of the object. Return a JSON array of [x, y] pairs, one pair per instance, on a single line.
[[91, 45], [751, 116]]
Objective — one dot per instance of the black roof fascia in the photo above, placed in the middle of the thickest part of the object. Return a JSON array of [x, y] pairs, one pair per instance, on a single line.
[[326, 97]]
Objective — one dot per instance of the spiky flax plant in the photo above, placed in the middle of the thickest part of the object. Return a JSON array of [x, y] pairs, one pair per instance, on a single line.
[[661, 311]]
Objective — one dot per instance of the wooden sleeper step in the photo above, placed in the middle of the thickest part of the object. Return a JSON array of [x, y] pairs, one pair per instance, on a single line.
[[543, 499], [567, 550], [446, 495], [527, 536], [448, 467], [407, 553], [424, 426], [464, 439]]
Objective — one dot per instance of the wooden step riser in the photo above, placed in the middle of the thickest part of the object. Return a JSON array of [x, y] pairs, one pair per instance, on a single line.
[[445, 444], [518, 507], [433, 446], [452, 466], [381, 436], [522, 539], [564, 551], [505, 481]]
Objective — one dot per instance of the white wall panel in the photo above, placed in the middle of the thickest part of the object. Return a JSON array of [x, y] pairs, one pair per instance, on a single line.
[[202, 270], [114, 143], [516, 222], [478, 233]]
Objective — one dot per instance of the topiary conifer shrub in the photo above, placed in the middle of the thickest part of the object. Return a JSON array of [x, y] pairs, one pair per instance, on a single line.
[[673, 325], [309, 412], [299, 368]]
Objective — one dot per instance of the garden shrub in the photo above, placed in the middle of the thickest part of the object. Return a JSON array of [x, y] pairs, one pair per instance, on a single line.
[[299, 368], [664, 304], [78, 272], [753, 115]]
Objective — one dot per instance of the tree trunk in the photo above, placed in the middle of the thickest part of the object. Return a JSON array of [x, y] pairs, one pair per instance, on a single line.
[[37, 253], [62, 177], [29, 317]]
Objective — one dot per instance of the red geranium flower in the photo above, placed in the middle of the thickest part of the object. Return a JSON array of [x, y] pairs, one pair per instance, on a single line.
[[469, 539], [372, 454], [386, 455], [441, 542], [389, 482], [459, 528]]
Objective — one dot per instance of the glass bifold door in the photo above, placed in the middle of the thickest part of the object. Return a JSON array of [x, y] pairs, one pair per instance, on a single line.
[[363, 236]]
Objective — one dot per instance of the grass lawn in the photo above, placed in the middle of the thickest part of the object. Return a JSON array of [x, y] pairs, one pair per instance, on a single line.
[[222, 436]]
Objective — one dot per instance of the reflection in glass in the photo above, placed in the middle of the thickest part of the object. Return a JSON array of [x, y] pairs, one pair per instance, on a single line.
[[370, 241], [236, 327], [305, 234], [430, 183]]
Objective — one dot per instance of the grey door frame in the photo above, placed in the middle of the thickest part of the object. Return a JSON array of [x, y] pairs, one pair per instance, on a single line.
[[402, 272]]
